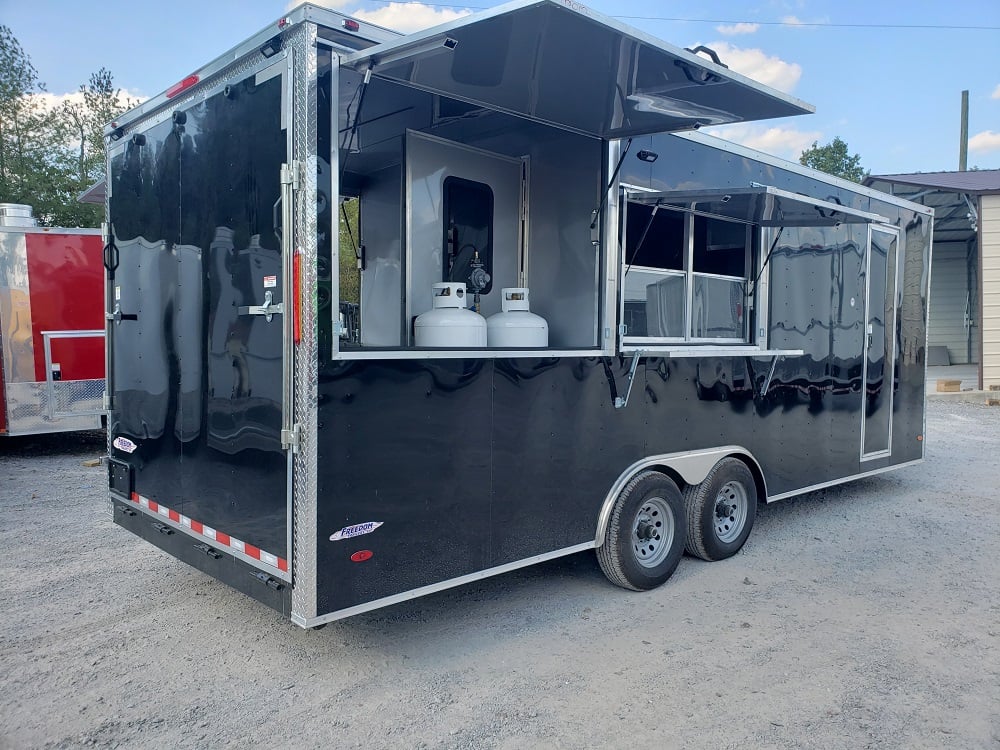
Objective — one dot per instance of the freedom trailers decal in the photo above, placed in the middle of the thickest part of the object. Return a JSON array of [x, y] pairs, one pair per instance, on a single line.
[[358, 529]]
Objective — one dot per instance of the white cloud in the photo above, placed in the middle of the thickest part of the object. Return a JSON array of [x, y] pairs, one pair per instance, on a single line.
[[51, 101], [760, 66], [408, 17], [996, 93], [800, 24], [736, 29], [788, 143], [985, 141], [398, 16]]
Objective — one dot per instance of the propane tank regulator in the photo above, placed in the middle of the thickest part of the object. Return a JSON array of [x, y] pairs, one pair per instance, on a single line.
[[478, 279]]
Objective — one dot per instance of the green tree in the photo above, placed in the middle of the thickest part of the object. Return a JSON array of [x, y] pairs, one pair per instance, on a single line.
[[30, 161], [84, 122], [350, 274], [48, 156], [833, 158]]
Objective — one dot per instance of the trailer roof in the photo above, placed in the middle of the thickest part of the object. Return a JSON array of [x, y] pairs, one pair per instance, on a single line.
[[762, 205], [561, 63]]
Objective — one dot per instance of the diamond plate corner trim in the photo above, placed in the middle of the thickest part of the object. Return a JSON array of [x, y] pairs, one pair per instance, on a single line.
[[305, 384], [108, 333]]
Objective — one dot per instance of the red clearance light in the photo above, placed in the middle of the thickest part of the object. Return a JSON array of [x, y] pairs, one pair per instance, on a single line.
[[180, 86], [283, 23], [351, 25], [362, 555]]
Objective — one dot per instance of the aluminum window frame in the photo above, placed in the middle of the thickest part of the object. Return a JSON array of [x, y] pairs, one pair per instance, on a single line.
[[753, 232]]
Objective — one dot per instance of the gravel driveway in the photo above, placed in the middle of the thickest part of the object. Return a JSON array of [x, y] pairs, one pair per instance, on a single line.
[[866, 615]]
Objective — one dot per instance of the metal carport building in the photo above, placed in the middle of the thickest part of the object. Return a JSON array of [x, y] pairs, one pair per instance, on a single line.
[[964, 322]]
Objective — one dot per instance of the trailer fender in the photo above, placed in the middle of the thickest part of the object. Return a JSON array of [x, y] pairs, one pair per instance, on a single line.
[[686, 468]]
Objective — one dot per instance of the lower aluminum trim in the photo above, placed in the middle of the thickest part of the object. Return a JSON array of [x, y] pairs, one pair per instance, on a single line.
[[842, 480], [435, 587]]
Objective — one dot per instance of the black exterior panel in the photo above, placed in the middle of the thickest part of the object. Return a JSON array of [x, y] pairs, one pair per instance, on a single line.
[[197, 382], [407, 444], [469, 464]]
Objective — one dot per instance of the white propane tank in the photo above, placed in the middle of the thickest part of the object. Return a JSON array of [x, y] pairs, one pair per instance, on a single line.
[[449, 324], [515, 327]]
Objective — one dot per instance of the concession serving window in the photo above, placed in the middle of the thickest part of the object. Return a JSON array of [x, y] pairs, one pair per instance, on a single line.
[[694, 264]]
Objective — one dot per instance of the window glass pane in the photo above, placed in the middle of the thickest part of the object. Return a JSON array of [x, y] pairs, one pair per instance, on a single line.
[[717, 312], [468, 233], [663, 246], [719, 247], [654, 304]]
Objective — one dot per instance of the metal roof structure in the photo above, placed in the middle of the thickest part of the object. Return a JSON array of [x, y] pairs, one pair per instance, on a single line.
[[974, 181], [952, 195]]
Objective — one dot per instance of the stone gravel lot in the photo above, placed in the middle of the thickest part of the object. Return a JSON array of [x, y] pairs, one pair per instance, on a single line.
[[866, 615]]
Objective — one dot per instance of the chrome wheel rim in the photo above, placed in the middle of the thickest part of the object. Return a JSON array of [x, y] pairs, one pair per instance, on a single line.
[[652, 532], [730, 511]]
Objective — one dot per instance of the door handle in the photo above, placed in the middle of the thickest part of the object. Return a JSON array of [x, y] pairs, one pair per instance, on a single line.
[[118, 316], [268, 309]]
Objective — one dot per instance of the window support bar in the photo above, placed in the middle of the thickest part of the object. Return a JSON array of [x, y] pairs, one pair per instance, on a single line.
[[770, 374], [621, 403]]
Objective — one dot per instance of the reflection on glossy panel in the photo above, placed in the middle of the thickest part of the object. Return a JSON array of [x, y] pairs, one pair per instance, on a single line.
[[196, 376]]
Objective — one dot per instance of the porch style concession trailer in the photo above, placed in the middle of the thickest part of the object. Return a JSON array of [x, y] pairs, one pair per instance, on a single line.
[[325, 419], [51, 326]]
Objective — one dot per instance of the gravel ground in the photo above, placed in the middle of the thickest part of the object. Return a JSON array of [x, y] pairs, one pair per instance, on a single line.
[[866, 615]]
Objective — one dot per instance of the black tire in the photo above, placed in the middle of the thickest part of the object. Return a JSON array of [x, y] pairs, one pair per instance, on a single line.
[[728, 489], [646, 532]]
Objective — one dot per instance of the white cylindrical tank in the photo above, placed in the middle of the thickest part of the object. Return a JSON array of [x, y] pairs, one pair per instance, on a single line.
[[449, 324], [16, 215], [514, 327]]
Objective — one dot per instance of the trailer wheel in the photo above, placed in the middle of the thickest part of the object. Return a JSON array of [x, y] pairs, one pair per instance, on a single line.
[[646, 532], [721, 511]]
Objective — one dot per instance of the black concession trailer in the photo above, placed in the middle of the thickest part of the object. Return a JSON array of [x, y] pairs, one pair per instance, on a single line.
[[330, 388]]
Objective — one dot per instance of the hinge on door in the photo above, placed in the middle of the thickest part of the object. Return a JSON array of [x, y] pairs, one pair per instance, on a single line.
[[290, 439], [290, 174]]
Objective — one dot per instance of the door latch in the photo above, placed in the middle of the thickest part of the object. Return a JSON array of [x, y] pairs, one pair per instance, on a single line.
[[118, 316], [269, 309]]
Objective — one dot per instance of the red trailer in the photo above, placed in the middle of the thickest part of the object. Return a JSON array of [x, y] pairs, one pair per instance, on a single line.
[[51, 326]]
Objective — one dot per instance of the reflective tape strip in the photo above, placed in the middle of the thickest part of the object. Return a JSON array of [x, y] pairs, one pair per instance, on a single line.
[[219, 537]]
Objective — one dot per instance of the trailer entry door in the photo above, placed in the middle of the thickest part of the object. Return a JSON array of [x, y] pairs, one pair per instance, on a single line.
[[880, 342], [567, 66], [197, 340]]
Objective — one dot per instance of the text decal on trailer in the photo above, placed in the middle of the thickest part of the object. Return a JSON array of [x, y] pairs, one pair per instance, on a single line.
[[124, 444], [349, 532]]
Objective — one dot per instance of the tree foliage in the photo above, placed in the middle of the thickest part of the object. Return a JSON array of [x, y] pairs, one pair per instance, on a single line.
[[350, 274], [49, 155], [833, 158]]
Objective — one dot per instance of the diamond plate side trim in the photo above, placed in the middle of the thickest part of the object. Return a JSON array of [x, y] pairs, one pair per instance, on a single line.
[[305, 388], [108, 328]]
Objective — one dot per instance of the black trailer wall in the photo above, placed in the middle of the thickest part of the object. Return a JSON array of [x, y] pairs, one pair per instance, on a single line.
[[474, 463]]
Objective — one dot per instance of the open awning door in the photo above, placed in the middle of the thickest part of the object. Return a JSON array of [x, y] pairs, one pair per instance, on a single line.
[[761, 205], [564, 65]]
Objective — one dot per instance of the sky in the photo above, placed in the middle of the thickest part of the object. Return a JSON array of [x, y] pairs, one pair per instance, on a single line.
[[885, 76]]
